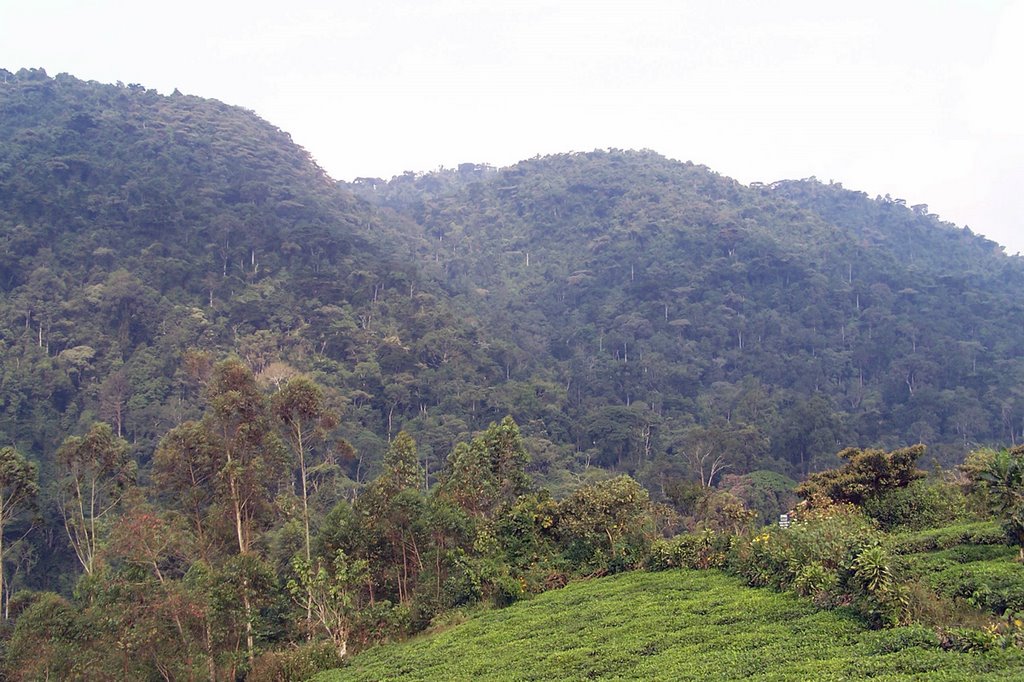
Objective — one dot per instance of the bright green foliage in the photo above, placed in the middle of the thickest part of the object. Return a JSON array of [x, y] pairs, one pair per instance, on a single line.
[[866, 473], [1004, 479], [984, 576], [332, 588], [873, 569], [977, 533], [488, 472], [814, 580], [674, 625]]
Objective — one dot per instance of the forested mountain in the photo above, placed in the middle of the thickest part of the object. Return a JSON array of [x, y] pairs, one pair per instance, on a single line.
[[244, 406], [628, 310], [655, 308], [138, 227]]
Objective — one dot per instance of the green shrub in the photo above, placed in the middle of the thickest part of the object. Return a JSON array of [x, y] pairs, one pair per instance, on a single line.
[[703, 550], [814, 580], [977, 533], [922, 504], [294, 664], [835, 555]]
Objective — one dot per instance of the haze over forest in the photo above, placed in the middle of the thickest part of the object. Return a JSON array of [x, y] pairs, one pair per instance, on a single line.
[[908, 100]]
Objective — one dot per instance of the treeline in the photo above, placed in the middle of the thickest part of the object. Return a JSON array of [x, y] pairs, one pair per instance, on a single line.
[[236, 556]]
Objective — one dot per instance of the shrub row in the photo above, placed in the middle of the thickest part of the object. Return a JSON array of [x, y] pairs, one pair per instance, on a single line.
[[978, 533]]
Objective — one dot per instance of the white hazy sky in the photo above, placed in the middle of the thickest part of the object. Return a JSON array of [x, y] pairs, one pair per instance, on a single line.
[[919, 99]]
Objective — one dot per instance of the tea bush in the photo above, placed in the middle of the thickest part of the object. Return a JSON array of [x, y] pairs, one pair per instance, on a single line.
[[673, 625]]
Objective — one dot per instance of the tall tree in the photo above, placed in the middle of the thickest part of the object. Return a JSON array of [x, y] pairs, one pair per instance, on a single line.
[[95, 471], [185, 471], [18, 490], [251, 457], [300, 409], [251, 462]]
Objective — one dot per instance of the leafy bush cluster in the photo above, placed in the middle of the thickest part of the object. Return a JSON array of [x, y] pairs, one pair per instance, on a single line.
[[835, 556], [976, 533], [921, 504]]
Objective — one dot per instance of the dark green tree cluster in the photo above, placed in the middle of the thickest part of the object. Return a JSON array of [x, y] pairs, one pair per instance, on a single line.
[[240, 548]]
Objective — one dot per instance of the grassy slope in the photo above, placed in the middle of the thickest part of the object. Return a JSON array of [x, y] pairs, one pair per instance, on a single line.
[[676, 625]]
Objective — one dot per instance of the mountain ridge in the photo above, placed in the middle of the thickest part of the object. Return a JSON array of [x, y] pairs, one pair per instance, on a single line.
[[629, 277]]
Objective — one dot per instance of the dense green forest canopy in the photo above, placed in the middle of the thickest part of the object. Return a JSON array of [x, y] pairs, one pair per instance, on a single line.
[[630, 311], [774, 322]]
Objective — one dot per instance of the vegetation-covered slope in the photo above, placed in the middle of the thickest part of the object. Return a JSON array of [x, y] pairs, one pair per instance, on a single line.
[[136, 227], [675, 625], [210, 351], [664, 306], [628, 310]]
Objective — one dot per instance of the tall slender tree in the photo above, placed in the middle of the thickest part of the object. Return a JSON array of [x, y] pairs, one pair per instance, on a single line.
[[19, 488], [306, 420], [96, 471]]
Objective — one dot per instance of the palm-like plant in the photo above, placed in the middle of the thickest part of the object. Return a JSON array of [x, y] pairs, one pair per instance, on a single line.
[[1004, 478]]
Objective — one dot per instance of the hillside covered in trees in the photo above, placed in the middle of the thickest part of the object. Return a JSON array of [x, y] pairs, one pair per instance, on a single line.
[[251, 362], [654, 309]]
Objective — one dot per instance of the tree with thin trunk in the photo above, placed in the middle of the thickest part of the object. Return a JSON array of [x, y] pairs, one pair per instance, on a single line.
[[95, 472], [251, 458], [335, 587], [19, 488], [114, 393], [305, 420], [250, 461], [706, 447]]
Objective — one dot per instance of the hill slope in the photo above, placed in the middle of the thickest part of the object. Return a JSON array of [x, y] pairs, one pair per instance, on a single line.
[[136, 227], [648, 296], [628, 310], [676, 625]]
